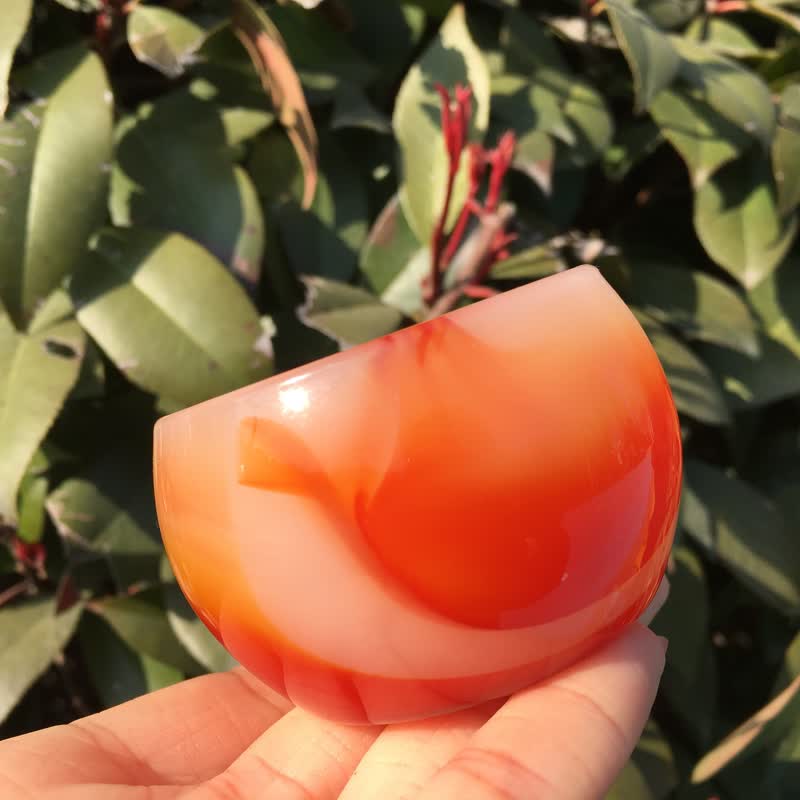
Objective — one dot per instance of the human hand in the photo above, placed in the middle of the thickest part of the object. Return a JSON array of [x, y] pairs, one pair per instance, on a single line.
[[228, 737]]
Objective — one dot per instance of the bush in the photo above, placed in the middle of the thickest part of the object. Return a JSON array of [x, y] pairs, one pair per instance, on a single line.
[[184, 210]]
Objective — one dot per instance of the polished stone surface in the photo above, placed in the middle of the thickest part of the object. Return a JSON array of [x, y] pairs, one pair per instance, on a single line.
[[437, 517]]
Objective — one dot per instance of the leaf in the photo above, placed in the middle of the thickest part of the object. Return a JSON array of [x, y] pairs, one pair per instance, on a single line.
[[37, 372], [30, 527], [774, 12], [389, 246], [405, 291], [189, 629], [762, 729], [268, 52], [648, 51], [776, 300], [751, 382], [451, 58], [15, 23], [704, 139], [670, 14], [786, 151], [529, 264], [141, 622], [163, 39], [651, 773], [325, 239], [31, 636], [684, 618], [737, 525], [632, 144], [387, 34], [353, 109], [527, 46], [723, 37], [323, 58], [345, 313], [738, 222], [169, 315], [694, 388], [701, 307], [559, 104], [54, 155], [118, 672], [730, 89], [187, 184], [92, 524], [535, 156]]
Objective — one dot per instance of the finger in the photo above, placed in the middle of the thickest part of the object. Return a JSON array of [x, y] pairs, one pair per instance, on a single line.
[[301, 757], [406, 756], [180, 735], [567, 738]]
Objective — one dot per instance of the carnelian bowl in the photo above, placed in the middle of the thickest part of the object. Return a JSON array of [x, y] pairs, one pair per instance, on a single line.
[[435, 518]]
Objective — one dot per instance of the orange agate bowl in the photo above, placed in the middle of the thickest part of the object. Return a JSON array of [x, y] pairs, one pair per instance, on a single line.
[[435, 518]]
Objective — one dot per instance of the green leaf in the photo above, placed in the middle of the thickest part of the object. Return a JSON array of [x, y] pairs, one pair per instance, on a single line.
[[15, 22], [773, 11], [33, 492], [190, 630], [751, 382], [389, 246], [694, 388], [387, 34], [92, 524], [786, 151], [651, 773], [32, 634], [187, 184], [527, 46], [37, 372], [738, 526], [723, 37], [535, 156], [353, 109], [405, 291], [701, 307], [141, 622], [325, 239], [632, 144], [169, 315], [451, 58], [648, 51], [529, 264], [670, 14], [345, 313], [765, 727], [738, 221], [730, 89], [163, 39], [118, 672], [54, 155], [776, 300], [704, 138], [684, 618], [559, 104], [322, 57]]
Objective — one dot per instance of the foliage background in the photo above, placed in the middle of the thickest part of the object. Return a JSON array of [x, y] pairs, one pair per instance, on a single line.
[[158, 247]]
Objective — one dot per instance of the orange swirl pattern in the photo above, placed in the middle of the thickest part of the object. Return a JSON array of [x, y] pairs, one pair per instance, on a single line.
[[435, 518]]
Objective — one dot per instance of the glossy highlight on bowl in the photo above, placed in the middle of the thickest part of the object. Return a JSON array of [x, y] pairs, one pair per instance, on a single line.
[[435, 518]]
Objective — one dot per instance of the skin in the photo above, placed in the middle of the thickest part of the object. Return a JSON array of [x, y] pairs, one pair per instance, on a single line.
[[228, 737]]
